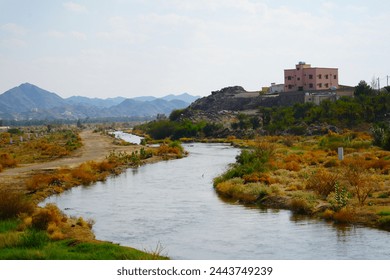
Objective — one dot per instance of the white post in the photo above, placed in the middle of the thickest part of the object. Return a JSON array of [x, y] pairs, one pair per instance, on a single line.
[[341, 153]]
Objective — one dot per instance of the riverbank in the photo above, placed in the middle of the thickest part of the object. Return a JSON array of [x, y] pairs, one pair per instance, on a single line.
[[304, 175], [27, 185]]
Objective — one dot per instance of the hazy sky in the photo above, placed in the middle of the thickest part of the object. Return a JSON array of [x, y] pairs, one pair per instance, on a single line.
[[157, 47]]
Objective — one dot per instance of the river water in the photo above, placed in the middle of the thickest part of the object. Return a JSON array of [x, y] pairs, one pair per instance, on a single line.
[[172, 205], [131, 138]]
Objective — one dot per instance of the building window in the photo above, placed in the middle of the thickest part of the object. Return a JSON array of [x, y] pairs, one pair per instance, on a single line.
[[319, 76], [311, 77], [326, 76], [289, 78], [326, 85], [290, 86], [335, 77], [320, 85], [298, 79], [310, 85]]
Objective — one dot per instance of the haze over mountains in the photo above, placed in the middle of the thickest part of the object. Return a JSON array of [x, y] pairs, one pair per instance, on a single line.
[[29, 102]]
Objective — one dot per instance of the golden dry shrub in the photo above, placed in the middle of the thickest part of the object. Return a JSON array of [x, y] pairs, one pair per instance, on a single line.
[[258, 177], [292, 166], [38, 181], [293, 158], [252, 178], [380, 164], [165, 150], [85, 173], [345, 216], [7, 161], [267, 179], [13, 204], [247, 193], [43, 217], [300, 206], [106, 166], [57, 235], [43, 180], [314, 157], [322, 181], [328, 214], [360, 180]]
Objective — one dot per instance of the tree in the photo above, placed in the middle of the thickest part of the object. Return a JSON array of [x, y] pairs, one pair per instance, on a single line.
[[363, 89], [176, 114]]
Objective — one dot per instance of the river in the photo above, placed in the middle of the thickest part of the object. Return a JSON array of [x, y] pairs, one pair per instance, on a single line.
[[172, 205]]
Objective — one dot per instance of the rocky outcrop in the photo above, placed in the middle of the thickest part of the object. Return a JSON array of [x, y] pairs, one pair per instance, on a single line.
[[227, 99], [236, 98]]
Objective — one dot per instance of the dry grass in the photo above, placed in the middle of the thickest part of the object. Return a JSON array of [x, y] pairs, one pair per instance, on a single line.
[[237, 189], [310, 165], [300, 206], [9, 239], [165, 150], [36, 147]]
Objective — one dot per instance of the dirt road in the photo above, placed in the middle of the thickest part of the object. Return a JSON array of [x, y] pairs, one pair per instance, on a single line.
[[95, 147]]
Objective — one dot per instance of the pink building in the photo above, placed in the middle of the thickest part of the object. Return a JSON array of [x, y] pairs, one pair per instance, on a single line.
[[306, 78]]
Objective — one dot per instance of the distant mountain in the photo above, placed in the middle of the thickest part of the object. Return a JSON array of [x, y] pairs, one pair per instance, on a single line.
[[28, 97], [29, 102], [147, 108], [98, 102], [144, 98], [183, 97]]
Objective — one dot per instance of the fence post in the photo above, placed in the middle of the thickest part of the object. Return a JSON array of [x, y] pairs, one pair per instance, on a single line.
[[341, 153]]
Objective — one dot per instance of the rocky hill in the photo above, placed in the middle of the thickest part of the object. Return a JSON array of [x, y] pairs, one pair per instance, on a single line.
[[223, 104]]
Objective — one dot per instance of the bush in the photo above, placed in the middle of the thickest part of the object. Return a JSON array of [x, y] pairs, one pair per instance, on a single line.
[[345, 216], [45, 216], [322, 182], [359, 179], [248, 193], [13, 204], [6, 161], [84, 174]]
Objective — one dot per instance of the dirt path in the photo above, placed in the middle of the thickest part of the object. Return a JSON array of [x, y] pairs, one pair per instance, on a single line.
[[95, 147]]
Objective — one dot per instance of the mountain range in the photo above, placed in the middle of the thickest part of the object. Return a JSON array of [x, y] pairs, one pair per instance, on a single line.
[[29, 102]]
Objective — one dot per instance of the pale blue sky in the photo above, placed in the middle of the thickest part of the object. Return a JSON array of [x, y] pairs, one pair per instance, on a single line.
[[137, 47]]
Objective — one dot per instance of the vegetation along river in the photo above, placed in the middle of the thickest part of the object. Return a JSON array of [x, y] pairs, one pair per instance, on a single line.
[[173, 204]]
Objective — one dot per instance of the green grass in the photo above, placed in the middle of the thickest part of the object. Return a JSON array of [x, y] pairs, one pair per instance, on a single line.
[[8, 225], [384, 213], [71, 250], [33, 244]]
